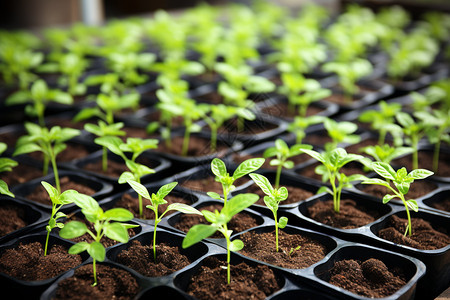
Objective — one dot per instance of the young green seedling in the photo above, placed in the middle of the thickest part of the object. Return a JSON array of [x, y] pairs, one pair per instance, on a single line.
[[413, 131], [386, 153], [39, 95], [220, 171], [402, 181], [340, 132], [158, 199], [6, 165], [58, 201], [106, 223], [299, 125], [272, 200], [136, 146], [105, 130], [49, 142], [219, 221], [332, 161], [283, 152]]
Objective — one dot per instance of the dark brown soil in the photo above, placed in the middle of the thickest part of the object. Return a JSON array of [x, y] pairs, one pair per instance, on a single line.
[[20, 174], [339, 98], [423, 237], [132, 204], [27, 261], [443, 204], [295, 194], [351, 215], [370, 278], [238, 223], [73, 151], [40, 194], [140, 258], [317, 139], [426, 162], [137, 132], [281, 110], [246, 282], [417, 189], [209, 184], [113, 283], [11, 218], [197, 147], [262, 247], [106, 242]]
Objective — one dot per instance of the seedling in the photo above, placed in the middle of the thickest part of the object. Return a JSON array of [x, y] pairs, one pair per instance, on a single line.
[[299, 125], [105, 130], [283, 152], [219, 221], [413, 131], [386, 153], [437, 130], [221, 113], [58, 201], [49, 142], [401, 180], [340, 132], [6, 165], [293, 250], [220, 170], [332, 162], [39, 95], [106, 223], [349, 73], [382, 120], [158, 199], [272, 200]]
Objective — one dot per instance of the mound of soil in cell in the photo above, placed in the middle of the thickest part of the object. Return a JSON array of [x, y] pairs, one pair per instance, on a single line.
[[11, 218]]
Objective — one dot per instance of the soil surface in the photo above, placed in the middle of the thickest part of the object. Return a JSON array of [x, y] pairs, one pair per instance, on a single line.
[[209, 184], [370, 278], [73, 151], [113, 283], [262, 247], [12, 218], [238, 222], [132, 204], [417, 189], [443, 204], [40, 194], [295, 194], [115, 168], [426, 162], [246, 282], [281, 110], [197, 147], [350, 215], [27, 261], [140, 258], [20, 174], [423, 237]]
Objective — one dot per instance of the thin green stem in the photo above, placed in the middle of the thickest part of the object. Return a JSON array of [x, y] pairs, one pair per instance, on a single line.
[[105, 159], [55, 172], [276, 229], [437, 148], [277, 178], [46, 242], [94, 271], [187, 134], [154, 235]]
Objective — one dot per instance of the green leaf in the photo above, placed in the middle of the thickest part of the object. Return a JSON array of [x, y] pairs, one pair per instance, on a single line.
[[78, 248], [218, 167], [4, 189], [73, 229], [236, 245], [384, 170], [239, 203], [85, 202], [19, 97], [324, 189], [263, 183], [27, 148], [248, 166], [166, 189], [282, 222], [186, 209], [388, 198], [197, 233], [116, 231], [97, 251], [139, 188], [112, 143], [412, 204], [118, 214], [125, 176], [214, 195], [375, 181], [209, 216], [420, 173], [314, 154], [51, 191]]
